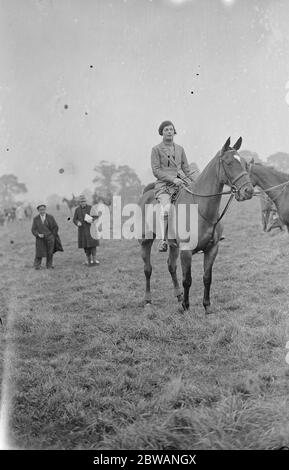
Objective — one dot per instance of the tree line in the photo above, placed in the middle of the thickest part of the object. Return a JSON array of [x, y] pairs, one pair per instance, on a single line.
[[280, 160], [109, 179], [121, 180]]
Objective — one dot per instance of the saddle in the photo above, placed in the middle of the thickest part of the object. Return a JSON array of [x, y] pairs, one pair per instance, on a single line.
[[175, 194]]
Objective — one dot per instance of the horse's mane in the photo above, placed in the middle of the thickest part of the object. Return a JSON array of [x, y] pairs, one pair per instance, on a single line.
[[273, 170]]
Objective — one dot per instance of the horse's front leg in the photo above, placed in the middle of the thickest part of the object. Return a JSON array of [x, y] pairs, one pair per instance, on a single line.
[[264, 221], [209, 258], [186, 262], [146, 247], [172, 267], [267, 220]]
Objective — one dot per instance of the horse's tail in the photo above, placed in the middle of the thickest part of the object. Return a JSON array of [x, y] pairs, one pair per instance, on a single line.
[[148, 187]]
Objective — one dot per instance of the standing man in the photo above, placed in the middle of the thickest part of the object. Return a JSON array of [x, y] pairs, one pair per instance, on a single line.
[[82, 219], [170, 167], [45, 230]]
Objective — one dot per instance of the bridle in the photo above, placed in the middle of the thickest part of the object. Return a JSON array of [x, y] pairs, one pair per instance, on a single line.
[[233, 190], [233, 186]]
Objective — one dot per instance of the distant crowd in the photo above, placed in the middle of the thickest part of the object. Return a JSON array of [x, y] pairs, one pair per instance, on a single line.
[[19, 212]]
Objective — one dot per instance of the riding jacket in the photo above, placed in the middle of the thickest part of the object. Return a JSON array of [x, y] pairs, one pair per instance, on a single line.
[[167, 164]]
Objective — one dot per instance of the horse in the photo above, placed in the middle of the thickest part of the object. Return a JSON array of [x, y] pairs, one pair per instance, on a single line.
[[275, 183], [71, 203], [225, 168]]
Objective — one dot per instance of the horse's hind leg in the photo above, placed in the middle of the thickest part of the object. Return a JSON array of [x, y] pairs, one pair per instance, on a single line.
[[172, 267], [209, 258], [186, 261], [146, 247]]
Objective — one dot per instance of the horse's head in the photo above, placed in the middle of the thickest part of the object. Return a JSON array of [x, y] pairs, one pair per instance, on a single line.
[[250, 168], [234, 172]]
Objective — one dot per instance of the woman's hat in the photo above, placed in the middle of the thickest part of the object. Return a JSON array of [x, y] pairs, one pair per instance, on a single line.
[[82, 198], [165, 124]]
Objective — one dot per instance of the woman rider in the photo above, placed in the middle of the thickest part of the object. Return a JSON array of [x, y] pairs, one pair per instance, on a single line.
[[169, 165]]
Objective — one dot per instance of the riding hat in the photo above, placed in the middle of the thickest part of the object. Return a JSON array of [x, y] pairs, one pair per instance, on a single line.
[[165, 124]]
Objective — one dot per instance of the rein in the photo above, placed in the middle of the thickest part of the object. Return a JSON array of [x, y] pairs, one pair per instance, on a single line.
[[208, 195], [233, 189], [186, 180], [221, 216], [259, 193], [232, 192]]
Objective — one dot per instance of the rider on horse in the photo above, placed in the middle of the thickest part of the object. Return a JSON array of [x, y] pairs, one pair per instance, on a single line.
[[170, 167]]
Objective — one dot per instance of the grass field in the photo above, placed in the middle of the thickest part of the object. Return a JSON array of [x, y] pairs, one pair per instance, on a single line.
[[88, 369]]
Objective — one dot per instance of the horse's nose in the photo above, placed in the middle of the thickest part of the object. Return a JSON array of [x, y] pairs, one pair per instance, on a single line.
[[249, 190]]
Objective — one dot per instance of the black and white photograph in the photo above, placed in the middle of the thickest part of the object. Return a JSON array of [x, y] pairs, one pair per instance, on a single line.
[[144, 228]]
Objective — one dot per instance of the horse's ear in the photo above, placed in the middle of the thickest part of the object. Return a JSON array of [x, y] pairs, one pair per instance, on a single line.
[[238, 144], [226, 145]]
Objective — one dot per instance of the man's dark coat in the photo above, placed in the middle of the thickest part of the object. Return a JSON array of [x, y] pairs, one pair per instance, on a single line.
[[50, 230]]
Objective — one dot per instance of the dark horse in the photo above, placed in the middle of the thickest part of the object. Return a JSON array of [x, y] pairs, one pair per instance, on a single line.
[[225, 168], [268, 177]]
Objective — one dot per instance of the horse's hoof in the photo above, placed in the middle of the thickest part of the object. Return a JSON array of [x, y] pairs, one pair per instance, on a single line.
[[149, 311], [182, 309], [208, 310]]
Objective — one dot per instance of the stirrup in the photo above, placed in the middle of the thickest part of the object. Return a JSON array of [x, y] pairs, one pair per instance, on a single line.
[[163, 246]]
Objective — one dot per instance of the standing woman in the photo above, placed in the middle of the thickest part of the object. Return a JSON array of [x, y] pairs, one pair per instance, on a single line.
[[83, 220]]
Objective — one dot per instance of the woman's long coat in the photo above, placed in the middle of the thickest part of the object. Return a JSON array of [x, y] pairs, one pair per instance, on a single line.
[[85, 240], [50, 230]]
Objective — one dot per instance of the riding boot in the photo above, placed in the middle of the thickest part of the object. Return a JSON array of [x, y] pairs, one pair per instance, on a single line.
[[163, 245]]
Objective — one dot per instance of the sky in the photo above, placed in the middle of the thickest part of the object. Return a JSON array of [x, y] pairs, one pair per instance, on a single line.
[[88, 80]]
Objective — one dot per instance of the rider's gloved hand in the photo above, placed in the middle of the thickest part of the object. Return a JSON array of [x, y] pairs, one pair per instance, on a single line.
[[178, 182]]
